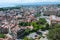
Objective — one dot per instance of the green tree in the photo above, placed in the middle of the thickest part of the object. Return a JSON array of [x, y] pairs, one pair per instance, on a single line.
[[27, 30], [57, 26], [24, 23], [47, 26], [42, 21], [54, 34], [35, 25], [2, 36]]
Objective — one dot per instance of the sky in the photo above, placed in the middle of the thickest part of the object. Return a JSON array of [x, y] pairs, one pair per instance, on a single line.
[[4, 3]]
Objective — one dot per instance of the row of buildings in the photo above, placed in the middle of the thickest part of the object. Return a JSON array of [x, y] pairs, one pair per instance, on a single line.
[[10, 18]]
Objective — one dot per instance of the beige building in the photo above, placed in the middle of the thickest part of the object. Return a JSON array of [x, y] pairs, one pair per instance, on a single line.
[[54, 19]]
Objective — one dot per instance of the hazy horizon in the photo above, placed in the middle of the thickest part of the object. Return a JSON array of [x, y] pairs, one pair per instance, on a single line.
[[11, 3]]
